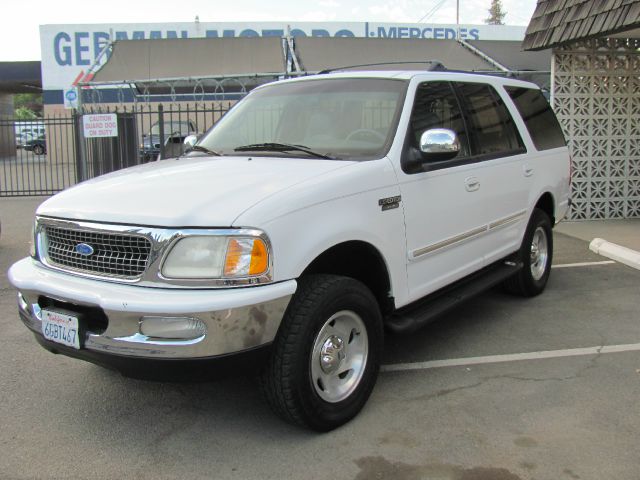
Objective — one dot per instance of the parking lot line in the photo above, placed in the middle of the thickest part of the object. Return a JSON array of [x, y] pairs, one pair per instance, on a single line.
[[583, 264], [512, 357]]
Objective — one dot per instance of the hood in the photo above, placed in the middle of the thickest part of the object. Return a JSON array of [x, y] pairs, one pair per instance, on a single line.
[[186, 192]]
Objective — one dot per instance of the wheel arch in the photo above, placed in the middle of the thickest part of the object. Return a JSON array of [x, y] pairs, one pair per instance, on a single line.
[[359, 260], [547, 204]]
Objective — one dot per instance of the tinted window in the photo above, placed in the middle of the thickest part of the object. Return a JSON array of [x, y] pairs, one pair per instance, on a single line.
[[436, 106], [491, 128], [540, 120]]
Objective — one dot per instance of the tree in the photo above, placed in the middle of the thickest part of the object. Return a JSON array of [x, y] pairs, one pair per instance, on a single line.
[[27, 106], [496, 13], [23, 113]]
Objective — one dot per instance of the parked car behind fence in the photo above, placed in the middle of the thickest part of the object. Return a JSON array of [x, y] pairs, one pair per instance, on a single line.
[[36, 145], [174, 134]]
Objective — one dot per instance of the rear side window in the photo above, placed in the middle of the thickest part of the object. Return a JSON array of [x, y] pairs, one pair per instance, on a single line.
[[491, 128], [540, 120]]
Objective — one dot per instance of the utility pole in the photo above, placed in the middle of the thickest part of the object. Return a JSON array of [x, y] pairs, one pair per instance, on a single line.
[[458, 19]]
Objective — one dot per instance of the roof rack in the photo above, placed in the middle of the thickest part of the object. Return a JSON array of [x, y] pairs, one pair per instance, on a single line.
[[433, 66]]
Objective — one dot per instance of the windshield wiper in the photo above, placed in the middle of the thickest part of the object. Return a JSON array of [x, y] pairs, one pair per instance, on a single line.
[[280, 147], [200, 148]]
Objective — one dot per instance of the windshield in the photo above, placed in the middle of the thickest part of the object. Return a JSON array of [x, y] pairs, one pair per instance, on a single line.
[[183, 128], [351, 119]]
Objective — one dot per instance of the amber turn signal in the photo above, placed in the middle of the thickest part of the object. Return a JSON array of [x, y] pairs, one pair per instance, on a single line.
[[246, 257]]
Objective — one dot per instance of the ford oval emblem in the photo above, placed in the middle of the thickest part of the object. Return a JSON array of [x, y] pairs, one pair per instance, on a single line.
[[84, 249]]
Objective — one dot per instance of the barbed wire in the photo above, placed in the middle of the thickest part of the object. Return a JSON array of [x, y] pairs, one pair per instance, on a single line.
[[179, 89]]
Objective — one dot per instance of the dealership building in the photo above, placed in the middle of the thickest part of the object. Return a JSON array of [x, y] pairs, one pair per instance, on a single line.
[[73, 53]]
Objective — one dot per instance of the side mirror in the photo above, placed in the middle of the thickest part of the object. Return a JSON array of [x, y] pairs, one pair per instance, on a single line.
[[190, 141], [439, 144]]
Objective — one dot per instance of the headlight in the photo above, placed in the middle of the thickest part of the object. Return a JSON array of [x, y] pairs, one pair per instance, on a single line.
[[210, 256]]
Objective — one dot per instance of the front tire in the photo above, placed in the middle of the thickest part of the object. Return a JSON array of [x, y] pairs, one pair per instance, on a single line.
[[326, 356], [536, 254], [38, 149]]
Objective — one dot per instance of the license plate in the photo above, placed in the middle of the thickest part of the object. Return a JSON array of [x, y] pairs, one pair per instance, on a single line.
[[61, 328]]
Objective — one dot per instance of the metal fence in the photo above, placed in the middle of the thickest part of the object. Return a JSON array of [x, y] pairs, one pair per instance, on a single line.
[[146, 133], [47, 155], [37, 157]]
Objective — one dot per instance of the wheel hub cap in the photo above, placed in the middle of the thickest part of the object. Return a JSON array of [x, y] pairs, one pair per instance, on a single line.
[[332, 354], [539, 253], [339, 356]]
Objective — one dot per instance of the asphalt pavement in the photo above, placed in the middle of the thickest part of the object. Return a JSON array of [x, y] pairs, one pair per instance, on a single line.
[[501, 388]]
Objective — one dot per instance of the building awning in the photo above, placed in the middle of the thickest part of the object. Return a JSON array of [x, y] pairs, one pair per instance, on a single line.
[[197, 66], [20, 77], [139, 60], [318, 53], [511, 55]]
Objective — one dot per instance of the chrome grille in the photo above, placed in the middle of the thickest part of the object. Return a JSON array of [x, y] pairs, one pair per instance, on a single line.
[[114, 254]]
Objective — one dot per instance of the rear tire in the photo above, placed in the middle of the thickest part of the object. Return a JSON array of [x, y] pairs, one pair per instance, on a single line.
[[326, 356], [38, 149], [536, 254]]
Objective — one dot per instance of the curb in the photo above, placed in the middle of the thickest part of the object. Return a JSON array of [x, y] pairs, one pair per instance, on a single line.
[[615, 252]]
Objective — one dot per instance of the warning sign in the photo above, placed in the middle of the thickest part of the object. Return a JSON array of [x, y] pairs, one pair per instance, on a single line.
[[100, 125]]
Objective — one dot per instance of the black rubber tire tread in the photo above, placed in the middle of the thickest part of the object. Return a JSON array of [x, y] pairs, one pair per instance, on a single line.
[[522, 283], [283, 382]]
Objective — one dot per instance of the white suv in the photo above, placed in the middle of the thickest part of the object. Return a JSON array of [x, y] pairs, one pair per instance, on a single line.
[[316, 213]]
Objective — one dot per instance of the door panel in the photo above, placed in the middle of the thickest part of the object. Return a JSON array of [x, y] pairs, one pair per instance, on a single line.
[[496, 142], [444, 224], [506, 206]]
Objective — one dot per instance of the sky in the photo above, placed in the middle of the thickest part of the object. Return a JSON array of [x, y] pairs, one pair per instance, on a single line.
[[19, 34]]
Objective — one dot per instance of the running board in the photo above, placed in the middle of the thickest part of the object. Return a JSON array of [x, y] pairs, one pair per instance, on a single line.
[[414, 316]]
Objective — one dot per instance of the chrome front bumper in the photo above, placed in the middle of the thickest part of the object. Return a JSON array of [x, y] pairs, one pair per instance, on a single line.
[[236, 319]]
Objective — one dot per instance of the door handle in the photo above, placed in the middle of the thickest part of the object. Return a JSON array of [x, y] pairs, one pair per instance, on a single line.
[[471, 184], [527, 170]]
